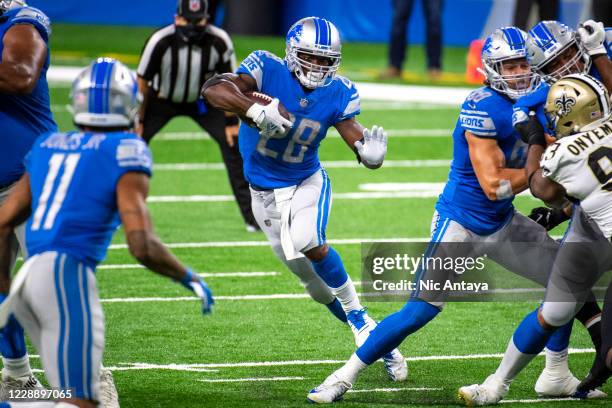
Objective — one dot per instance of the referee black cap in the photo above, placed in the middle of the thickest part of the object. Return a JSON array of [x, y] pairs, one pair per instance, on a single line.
[[192, 9]]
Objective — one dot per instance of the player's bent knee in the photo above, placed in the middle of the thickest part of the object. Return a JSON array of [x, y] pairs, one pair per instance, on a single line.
[[557, 314], [317, 254]]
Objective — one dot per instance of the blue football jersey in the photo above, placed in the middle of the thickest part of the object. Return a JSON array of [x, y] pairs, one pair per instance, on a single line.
[[73, 179], [23, 117], [291, 158], [487, 114]]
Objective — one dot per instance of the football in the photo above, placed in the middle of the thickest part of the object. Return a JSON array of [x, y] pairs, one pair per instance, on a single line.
[[263, 99]]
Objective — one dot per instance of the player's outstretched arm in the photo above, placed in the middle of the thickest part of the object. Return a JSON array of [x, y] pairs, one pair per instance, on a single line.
[[226, 92], [497, 181], [14, 211], [144, 245], [542, 187], [23, 59], [593, 37], [370, 146]]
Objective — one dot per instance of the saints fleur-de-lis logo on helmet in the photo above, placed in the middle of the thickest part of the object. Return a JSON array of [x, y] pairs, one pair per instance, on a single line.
[[564, 104]]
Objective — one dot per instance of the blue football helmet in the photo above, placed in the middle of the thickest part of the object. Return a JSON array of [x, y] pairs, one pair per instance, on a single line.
[[551, 39], [9, 4], [508, 43], [313, 37], [105, 94]]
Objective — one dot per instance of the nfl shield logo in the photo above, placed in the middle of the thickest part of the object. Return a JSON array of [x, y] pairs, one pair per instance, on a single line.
[[268, 223], [194, 5]]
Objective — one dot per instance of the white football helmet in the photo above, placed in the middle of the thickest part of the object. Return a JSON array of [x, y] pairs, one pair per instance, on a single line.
[[9, 4], [548, 41], [508, 43], [105, 94], [318, 37]]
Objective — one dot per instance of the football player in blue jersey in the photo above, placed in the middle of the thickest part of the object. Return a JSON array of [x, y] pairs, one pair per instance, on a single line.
[[25, 114], [291, 192], [476, 208], [77, 188]]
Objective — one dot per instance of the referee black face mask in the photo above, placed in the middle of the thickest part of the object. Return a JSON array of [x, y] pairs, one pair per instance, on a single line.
[[191, 20]]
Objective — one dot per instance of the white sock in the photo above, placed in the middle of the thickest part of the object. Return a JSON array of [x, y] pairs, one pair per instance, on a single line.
[[512, 363], [347, 295], [557, 360], [16, 367], [351, 369]]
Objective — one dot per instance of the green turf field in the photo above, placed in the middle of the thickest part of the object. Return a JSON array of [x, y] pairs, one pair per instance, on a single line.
[[271, 352]]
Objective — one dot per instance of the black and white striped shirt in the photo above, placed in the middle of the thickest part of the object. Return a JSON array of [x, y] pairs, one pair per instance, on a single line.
[[176, 70]]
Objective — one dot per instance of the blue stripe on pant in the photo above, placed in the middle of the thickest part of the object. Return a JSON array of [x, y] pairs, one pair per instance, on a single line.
[[75, 341], [436, 238], [323, 207]]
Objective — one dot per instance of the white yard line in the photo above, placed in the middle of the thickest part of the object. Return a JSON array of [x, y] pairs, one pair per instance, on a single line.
[[393, 133], [235, 244], [252, 379], [337, 164], [285, 363], [537, 401], [118, 267], [368, 91], [216, 198], [397, 389]]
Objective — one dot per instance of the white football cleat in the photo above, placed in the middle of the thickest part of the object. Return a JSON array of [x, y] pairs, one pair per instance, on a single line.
[[108, 397], [489, 392], [396, 365], [553, 384], [331, 390], [27, 382]]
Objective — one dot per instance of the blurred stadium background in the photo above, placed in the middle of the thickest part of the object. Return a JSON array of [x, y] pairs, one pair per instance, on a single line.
[[267, 344]]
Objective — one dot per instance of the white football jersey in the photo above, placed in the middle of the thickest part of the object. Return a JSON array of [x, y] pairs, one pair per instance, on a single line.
[[582, 164]]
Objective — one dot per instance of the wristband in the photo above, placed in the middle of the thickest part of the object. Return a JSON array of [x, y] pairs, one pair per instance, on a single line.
[[232, 120], [188, 278]]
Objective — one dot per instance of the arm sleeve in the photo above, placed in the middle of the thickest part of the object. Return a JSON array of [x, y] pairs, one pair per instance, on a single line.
[[550, 161], [253, 65], [150, 59], [35, 17], [477, 119], [351, 103], [133, 154], [227, 59]]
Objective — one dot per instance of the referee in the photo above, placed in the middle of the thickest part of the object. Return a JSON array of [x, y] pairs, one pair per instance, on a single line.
[[175, 63]]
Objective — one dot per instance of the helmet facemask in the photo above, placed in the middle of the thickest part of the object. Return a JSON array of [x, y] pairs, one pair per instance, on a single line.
[[310, 74], [578, 63], [512, 85]]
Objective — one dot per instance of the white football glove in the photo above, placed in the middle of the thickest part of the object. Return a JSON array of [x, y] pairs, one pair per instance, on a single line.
[[268, 118], [373, 148], [593, 36]]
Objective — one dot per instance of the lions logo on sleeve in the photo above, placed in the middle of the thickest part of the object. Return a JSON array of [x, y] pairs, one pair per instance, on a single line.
[[257, 63], [475, 116], [31, 15], [350, 102], [133, 153]]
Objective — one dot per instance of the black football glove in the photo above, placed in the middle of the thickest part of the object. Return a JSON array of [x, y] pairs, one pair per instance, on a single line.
[[549, 218], [531, 131]]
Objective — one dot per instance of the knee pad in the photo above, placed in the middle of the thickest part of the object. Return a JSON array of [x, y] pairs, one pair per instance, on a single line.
[[558, 314], [303, 238], [302, 268]]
